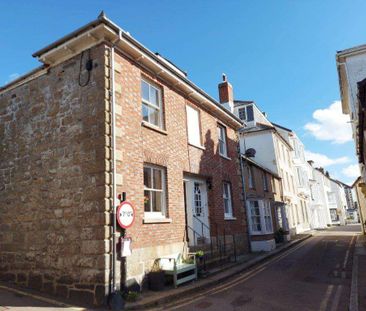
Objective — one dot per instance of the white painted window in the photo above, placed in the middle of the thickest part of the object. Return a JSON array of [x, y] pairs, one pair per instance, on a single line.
[[255, 217], [251, 183], [260, 217], [228, 206], [152, 111], [197, 199], [331, 197], [265, 181], [193, 126], [242, 114], [274, 185], [154, 191], [221, 131], [267, 216]]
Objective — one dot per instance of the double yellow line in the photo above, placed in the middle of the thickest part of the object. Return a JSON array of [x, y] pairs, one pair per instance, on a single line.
[[241, 278]]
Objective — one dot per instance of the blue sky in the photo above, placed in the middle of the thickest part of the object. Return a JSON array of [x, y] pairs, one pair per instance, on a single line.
[[279, 53]]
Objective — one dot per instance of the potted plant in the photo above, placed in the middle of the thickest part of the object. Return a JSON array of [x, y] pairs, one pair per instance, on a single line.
[[156, 277]]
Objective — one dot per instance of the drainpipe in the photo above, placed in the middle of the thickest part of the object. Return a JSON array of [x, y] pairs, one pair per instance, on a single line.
[[114, 169], [243, 187]]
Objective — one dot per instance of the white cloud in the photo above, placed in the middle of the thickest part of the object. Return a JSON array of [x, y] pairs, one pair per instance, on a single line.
[[330, 124], [12, 77], [351, 171], [323, 160]]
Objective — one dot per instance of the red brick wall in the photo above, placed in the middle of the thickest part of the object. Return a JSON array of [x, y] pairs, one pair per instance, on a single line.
[[140, 144]]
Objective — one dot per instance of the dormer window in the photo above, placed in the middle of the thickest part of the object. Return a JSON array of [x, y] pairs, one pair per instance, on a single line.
[[246, 113]]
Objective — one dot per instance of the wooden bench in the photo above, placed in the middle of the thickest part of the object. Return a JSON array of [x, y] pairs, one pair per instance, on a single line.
[[174, 265]]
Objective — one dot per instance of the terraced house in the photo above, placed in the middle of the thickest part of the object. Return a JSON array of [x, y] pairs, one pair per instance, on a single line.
[[104, 115]]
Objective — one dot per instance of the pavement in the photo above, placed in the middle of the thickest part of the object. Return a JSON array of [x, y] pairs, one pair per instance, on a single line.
[[308, 274]]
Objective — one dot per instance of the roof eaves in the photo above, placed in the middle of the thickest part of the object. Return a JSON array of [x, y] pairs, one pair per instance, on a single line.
[[103, 19]]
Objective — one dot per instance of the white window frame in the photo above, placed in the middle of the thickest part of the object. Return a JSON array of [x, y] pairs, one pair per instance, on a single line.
[[150, 105], [193, 140], [151, 214], [265, 181], [251, 182], [240, 111], [221, 131], [226, 194], [265, 217]]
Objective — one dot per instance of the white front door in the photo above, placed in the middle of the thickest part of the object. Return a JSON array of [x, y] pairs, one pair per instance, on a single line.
[[197, 211]]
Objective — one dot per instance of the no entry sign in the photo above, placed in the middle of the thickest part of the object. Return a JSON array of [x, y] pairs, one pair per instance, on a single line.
[[125, 214]]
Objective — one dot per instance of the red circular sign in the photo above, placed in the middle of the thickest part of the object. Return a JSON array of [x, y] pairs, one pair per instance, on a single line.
[[125, 214]]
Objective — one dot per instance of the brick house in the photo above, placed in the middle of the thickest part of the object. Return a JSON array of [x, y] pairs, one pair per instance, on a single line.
[[265, 207], [104, 115]]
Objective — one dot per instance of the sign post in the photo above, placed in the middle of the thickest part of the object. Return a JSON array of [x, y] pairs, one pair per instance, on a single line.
[[125, 214]]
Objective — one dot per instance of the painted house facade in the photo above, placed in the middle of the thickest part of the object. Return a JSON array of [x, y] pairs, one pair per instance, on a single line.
[[273, 152], [108, 115], [301, 181]]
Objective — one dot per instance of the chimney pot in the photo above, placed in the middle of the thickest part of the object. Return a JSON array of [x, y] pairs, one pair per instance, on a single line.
[[224, 77]]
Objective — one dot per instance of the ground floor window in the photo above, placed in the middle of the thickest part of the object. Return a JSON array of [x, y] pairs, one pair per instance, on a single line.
[[333, 214], [154, 191], [260, 217], [228, 206]]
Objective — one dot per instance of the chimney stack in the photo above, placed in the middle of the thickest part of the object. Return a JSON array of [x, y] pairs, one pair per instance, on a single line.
[[226, 94]]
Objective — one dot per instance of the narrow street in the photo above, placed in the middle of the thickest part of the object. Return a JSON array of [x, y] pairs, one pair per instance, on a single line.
[[315, 275]]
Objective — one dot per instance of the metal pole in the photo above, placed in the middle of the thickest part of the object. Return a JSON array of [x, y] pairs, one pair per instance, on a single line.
[[243, 188]]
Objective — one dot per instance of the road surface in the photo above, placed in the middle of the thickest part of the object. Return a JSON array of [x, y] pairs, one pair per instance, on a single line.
[[314, 275]]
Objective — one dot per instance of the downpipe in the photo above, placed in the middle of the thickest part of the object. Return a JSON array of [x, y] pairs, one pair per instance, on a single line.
[[115, 300]]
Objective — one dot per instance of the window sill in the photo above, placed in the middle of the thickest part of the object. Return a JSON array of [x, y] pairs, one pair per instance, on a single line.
[[225, 157], [154, 128], [157, 220], [197, 146], [261, 233], [229, 218]]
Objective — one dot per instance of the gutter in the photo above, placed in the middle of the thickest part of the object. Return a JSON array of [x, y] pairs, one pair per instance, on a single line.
[[123, 35]]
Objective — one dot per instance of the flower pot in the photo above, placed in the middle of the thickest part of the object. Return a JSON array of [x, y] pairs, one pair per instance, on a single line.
[[156, 280]]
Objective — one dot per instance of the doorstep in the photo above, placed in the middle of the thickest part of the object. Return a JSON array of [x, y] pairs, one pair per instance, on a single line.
[[150, 299]]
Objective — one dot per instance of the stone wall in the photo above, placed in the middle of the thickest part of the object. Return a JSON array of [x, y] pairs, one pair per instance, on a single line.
[[53, 221]]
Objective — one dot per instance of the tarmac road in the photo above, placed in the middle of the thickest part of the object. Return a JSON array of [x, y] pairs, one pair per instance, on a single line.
[[314, 275]]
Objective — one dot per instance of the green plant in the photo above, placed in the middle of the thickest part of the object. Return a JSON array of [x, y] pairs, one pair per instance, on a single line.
[[131, 296], [200, 253]]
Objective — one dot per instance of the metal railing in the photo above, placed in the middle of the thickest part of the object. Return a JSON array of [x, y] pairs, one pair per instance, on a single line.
[[221, 245]]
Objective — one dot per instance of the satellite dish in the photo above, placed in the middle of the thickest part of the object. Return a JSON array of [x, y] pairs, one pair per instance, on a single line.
[[250, 153]]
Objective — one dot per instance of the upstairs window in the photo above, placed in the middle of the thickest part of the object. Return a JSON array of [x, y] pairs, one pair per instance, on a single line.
[[250, 113], [193, 126], [246, 113], [265, 181], [242, 114], [221, 131], [250, 177], [152, 111]]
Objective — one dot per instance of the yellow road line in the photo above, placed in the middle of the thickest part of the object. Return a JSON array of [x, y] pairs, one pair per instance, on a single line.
[[246, 276], [44, 299]]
